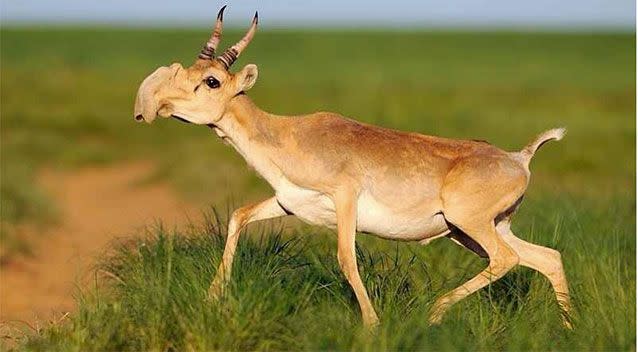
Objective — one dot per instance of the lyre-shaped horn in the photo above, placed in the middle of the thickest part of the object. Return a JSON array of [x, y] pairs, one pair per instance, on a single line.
[[208, 51], [231, 54]]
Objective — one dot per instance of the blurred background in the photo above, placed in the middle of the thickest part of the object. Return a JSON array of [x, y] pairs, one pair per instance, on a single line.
[[539, 15], [76, 166]]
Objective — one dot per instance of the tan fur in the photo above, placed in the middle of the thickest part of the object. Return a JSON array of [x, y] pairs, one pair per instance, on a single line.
[[333, 171]]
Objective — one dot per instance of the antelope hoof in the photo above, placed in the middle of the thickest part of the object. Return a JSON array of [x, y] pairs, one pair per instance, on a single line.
[[435, 319], [567, 323], [439, 309], [216, 290], [371, 322], [436, 315]]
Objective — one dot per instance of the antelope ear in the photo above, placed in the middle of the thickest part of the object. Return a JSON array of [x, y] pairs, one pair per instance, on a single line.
[[246, 78]]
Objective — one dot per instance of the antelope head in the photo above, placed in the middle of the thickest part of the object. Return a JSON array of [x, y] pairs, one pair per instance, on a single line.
[[200, 93]]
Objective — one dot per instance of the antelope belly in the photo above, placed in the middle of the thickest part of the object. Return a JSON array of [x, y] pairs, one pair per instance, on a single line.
[[372, 217], [379, 219], [310, 206]]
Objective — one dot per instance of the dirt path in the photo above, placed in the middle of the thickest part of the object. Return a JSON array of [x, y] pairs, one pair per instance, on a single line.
[[97, 204]]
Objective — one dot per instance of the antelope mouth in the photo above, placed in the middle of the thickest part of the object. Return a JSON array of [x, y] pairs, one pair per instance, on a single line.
[[180, 118]]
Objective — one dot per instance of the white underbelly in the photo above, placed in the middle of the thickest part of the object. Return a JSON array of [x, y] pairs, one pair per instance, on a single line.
[[310, 206], [376, 218], [372, 217]]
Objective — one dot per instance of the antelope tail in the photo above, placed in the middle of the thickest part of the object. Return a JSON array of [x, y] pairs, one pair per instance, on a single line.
[[528, 152]]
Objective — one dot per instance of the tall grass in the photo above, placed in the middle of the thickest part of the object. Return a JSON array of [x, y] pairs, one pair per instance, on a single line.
[[287, 292]]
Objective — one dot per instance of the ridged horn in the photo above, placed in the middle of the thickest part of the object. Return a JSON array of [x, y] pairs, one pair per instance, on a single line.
[[208, 51], [231, 54]]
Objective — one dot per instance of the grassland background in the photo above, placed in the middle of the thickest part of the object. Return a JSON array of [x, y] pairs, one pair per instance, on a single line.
[[67, 97]]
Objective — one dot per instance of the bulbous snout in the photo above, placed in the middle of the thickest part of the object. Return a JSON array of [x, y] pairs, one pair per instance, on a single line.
[[146, 101], [143, 113]]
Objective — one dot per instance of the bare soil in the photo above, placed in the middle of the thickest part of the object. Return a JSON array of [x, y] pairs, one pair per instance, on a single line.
[[97, 205]]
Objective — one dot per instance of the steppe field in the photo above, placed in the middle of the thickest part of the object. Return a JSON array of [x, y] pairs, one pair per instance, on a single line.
[[67, 103]]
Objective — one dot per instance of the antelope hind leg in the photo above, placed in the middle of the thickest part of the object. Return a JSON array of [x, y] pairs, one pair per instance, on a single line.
[[545, 260]]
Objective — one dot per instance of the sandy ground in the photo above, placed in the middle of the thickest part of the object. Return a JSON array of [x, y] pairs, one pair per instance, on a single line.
[[97, 205]]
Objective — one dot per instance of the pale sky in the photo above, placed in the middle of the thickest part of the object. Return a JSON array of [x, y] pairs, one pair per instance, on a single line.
[[602, 14]]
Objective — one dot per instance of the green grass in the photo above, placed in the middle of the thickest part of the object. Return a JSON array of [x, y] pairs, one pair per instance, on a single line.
[[287, 293], [67, 98]]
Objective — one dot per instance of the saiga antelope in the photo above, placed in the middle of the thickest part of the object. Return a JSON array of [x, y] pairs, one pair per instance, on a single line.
[[333, 171]]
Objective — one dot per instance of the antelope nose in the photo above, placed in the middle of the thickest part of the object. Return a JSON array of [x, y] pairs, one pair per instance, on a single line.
[[139, 118]]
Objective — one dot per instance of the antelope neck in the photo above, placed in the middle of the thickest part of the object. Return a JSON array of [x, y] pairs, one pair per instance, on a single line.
[[247, 126], [256, 135]]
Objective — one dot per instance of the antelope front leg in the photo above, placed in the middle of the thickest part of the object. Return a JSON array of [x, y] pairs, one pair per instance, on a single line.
[[346, 207], [241, 217]]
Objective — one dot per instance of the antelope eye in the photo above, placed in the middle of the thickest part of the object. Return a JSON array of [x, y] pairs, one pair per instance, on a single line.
[[212, 82]]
